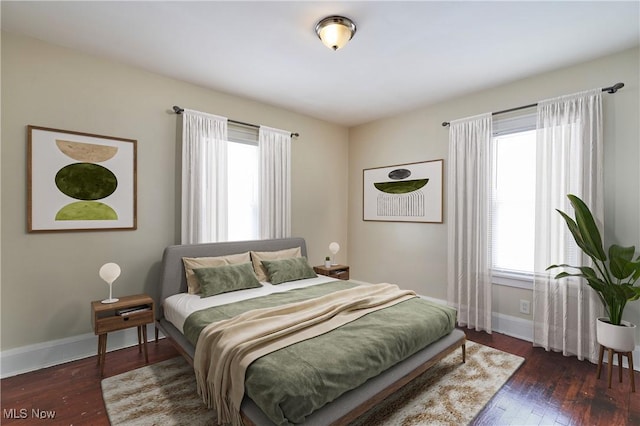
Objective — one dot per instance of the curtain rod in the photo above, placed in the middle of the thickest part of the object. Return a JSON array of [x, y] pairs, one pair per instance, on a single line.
[[610, 89], [179, 110]]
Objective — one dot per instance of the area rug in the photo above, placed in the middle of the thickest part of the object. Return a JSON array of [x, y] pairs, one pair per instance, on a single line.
[[450, 393]]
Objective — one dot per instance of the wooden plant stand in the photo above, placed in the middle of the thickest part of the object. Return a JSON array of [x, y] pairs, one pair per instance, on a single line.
[[611, 352]]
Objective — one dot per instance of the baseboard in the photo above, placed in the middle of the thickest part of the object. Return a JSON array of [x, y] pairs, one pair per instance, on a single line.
[[522, 329], [519, 328], [505, 324], [55, 352]]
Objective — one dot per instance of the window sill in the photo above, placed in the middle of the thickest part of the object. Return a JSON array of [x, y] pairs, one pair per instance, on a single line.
[[513, 279]]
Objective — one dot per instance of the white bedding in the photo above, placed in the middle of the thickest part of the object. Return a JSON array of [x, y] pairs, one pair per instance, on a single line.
[[179, 306]]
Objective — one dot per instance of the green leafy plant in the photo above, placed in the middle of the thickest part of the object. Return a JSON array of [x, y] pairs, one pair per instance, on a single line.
[[613, 277]]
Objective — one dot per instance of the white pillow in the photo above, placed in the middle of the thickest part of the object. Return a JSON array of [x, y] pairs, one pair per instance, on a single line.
[[191, 263], [258, 256]]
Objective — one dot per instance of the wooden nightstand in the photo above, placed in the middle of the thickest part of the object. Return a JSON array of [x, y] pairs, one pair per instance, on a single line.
[[334, 271], [129, 311]]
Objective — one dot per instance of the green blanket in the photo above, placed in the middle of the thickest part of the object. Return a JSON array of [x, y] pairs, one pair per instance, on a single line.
[[291, 383]]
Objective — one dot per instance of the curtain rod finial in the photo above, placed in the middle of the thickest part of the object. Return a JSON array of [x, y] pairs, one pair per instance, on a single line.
[[615, 88], [445, 123], [177, 109]]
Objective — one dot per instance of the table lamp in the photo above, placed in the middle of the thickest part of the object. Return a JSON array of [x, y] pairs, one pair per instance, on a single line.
[[334, 248], [110, 272]]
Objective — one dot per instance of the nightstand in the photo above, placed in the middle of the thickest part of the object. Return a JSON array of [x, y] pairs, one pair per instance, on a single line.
[[334, 271], [129, 311]]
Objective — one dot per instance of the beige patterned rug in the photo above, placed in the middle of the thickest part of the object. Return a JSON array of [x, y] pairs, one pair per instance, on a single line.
[[450, 393]]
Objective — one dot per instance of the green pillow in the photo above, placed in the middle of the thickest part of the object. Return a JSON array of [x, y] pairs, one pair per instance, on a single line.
[[223, 279], [291, 269]]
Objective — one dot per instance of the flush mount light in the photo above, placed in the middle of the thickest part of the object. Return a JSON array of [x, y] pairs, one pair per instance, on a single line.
[[335, 31]]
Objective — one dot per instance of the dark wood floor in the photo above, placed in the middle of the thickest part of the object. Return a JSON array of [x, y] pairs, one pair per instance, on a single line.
[[551, 389], [548, 389]]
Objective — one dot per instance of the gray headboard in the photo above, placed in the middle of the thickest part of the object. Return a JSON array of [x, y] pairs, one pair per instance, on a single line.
[[173, 280]]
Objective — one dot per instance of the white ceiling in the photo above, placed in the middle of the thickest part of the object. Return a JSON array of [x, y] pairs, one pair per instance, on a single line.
[[404, 55]]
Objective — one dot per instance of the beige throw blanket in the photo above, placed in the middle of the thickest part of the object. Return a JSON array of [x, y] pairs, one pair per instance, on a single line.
[[225, 349]]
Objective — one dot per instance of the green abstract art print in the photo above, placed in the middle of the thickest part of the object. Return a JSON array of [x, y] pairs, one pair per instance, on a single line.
[[409, 192], [80, 181]]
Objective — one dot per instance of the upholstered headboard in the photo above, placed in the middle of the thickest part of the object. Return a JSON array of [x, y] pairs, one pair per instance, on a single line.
[[173, 279]]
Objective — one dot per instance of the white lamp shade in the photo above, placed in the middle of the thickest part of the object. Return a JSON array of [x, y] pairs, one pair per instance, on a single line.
[[335, 31], [110, 272], [334, 247], [335, 36]]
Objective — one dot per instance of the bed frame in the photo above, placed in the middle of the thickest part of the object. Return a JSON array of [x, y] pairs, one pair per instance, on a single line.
[[341, 411]]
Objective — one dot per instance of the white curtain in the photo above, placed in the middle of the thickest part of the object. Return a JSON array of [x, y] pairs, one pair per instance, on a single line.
[[275, 182], [469, 205], [204, 177], [569, 161]]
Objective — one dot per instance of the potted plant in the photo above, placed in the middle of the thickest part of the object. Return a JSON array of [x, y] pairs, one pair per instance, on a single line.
[[613, 277], [327, 262]]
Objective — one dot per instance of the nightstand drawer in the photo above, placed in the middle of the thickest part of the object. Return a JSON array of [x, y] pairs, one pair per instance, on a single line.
[[117, 322], [340, 272]]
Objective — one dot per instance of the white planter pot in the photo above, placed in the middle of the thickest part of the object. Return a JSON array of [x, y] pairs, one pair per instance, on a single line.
[[327, 264], [618, 337]]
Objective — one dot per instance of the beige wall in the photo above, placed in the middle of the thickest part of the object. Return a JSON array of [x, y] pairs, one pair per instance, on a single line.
[[414, 255], [48, 280]]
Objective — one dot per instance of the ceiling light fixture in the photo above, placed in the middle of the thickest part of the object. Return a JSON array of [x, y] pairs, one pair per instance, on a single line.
[[335, 31]]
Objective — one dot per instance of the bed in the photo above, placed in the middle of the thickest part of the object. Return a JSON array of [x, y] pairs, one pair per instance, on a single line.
[[341, 410]]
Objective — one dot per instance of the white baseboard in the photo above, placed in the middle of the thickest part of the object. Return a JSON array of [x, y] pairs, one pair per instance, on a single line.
[[522, 329], [504, 324], [55, 352], [519, 328]]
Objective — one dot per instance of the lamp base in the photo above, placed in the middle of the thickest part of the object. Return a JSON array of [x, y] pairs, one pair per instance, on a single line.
[[112, 300]]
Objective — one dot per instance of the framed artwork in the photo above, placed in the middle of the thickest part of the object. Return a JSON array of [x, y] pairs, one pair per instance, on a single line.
[[403, 193], [80, 182]]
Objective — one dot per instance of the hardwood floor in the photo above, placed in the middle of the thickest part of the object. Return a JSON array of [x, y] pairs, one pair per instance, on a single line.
[[71, 390], [551, 389], [548, 389]]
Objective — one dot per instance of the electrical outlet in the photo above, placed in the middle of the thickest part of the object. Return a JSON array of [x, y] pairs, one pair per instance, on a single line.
[[525, 307]]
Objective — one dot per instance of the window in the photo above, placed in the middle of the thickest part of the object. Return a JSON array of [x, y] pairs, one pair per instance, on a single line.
[[242, 171], [513, 204]]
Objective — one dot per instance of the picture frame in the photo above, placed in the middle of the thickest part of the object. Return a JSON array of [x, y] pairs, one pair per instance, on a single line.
[[80, 181], [410, 192]]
